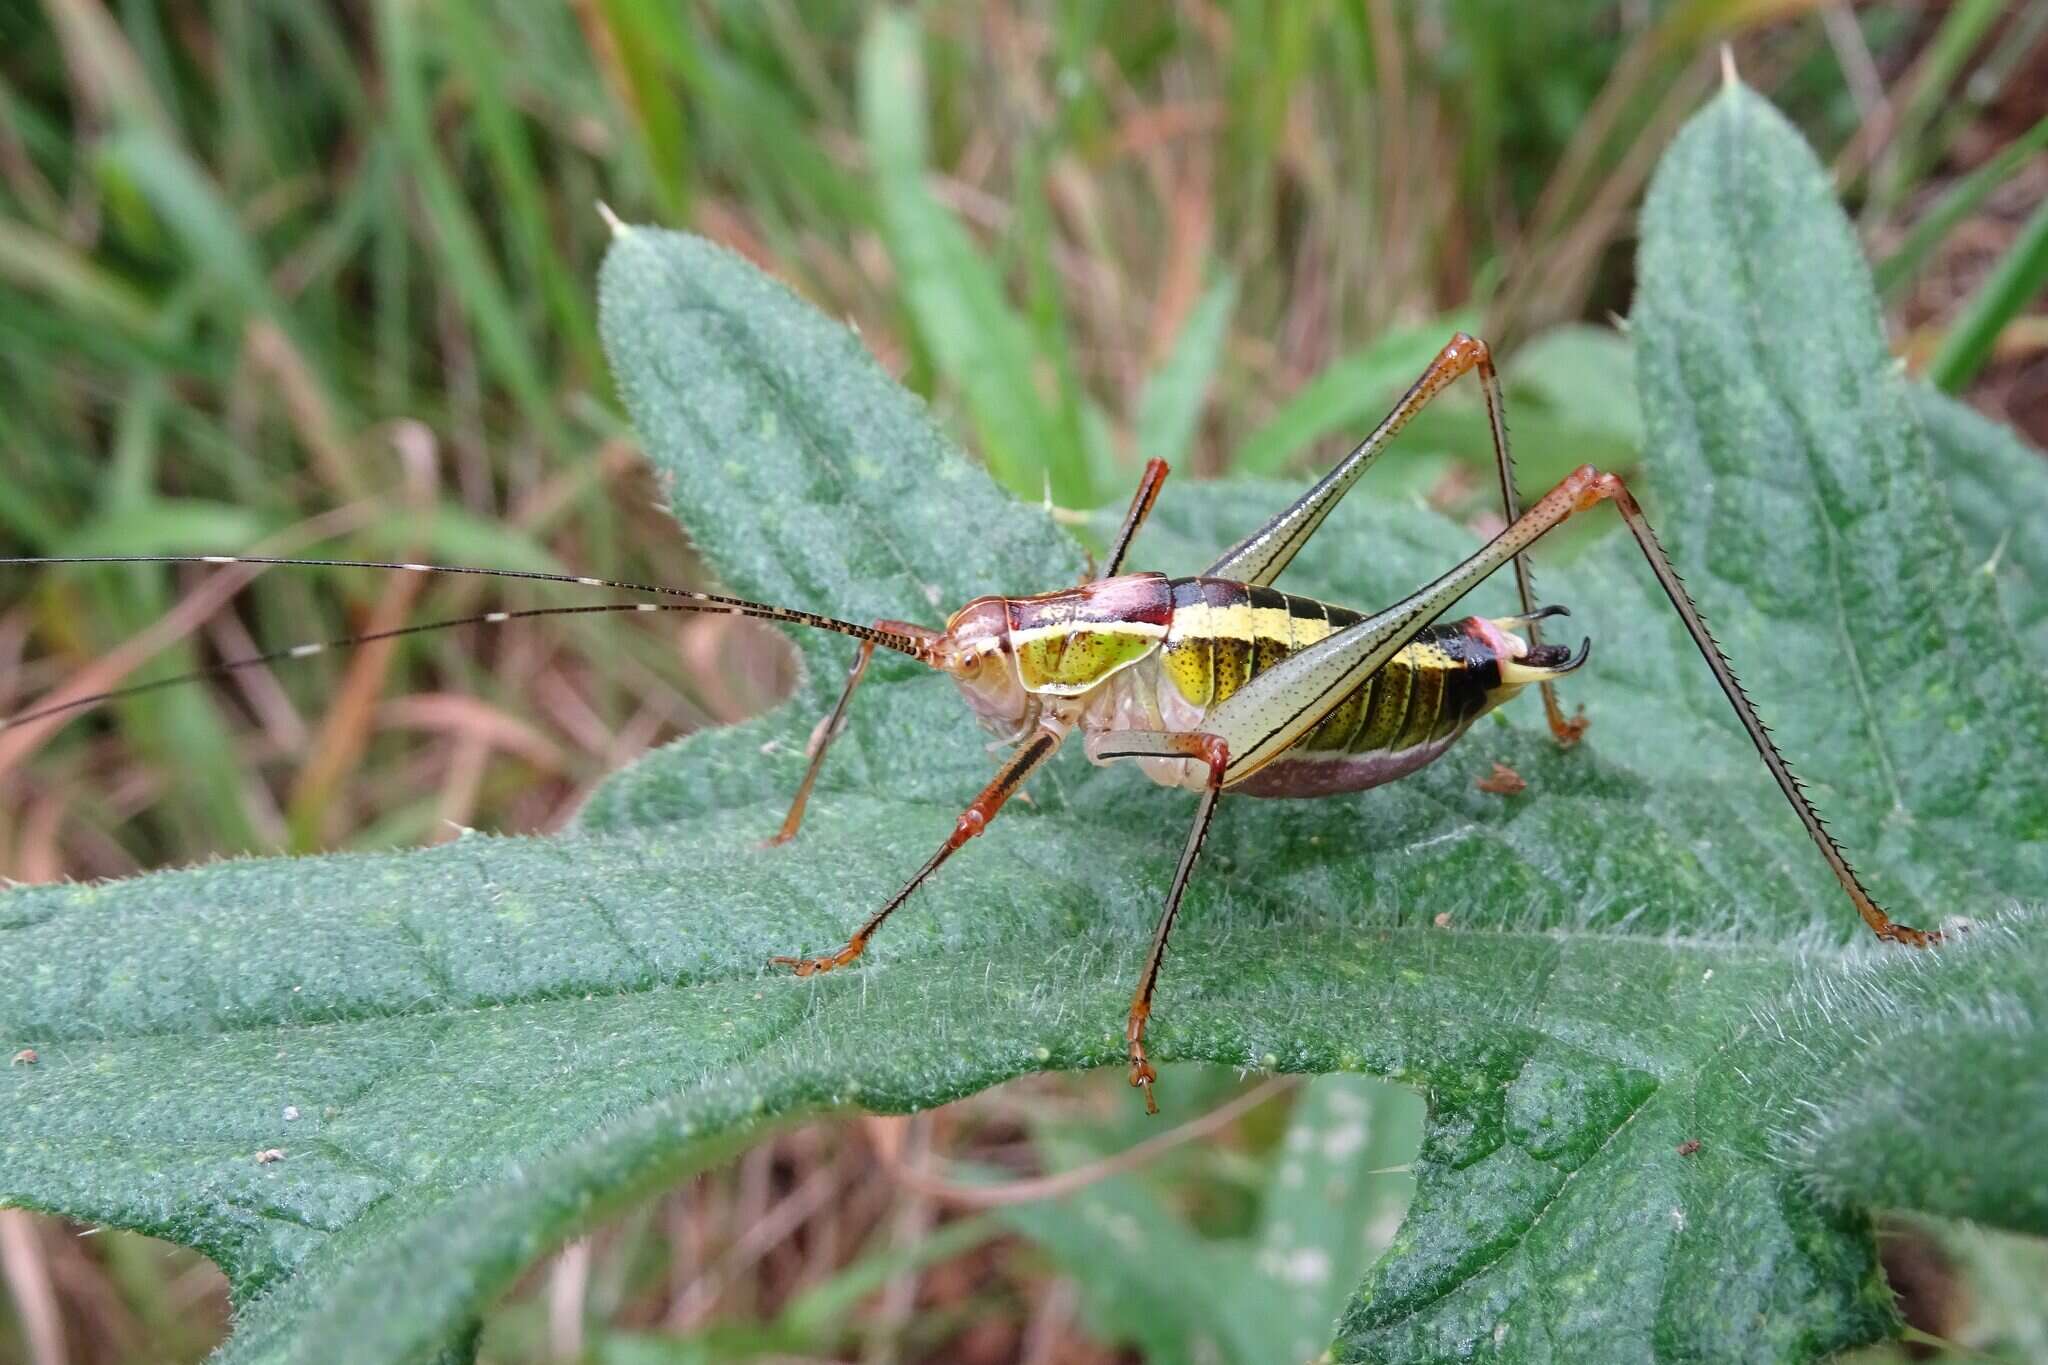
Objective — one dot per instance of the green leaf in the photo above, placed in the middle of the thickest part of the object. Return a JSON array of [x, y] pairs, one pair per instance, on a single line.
[[166, 526], [490, 1044], [1998, 489], [812, 480], [1806, 515], [1583, 374]]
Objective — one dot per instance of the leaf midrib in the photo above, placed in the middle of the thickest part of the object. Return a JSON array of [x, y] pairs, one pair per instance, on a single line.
[[1751, 312], [1238, 886], [1728, 951]]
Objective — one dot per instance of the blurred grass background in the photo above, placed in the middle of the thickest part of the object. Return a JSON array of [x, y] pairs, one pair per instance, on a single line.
[[316, 279]]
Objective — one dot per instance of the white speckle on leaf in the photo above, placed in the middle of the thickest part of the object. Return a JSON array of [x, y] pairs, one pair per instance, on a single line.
[[1121, 1228], [1342, 1142], [1306, 1267], [291, 1113]]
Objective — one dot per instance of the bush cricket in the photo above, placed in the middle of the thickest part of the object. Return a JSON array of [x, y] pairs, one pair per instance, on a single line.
[[1215, 683]]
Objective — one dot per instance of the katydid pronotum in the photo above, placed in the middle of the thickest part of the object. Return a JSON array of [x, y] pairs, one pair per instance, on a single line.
[[1216, 683]]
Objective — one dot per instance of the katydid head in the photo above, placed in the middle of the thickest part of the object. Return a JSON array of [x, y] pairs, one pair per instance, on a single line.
[[1010, 654], [975, 651]]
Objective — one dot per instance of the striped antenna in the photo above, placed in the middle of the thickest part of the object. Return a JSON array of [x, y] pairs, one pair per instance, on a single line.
[[703, 602], [312, 647]]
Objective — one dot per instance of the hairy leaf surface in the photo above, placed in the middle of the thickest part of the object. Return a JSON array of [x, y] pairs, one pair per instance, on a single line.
[[489, 1044]]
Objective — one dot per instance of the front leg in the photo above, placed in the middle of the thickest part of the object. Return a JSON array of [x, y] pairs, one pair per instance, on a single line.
[[1030, 756]]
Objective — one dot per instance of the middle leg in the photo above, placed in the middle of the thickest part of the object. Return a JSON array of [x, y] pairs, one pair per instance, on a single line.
[[1141, 507]]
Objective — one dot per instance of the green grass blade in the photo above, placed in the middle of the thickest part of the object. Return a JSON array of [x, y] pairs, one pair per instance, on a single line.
[[2012, 286], [1960, 201], [956, 299], [1170, 404], [458, 241], [31, 260], [178, 190], [1962, 29], [1349, 396], [525, 211], [646, 35]]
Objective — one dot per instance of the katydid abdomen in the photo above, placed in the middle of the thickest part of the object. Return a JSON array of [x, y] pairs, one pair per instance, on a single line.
[[1145, 652]]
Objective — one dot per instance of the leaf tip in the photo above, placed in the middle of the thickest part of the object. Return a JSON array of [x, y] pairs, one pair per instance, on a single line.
[[612, 220]]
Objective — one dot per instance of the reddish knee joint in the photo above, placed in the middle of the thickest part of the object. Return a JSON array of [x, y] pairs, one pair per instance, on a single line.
[[971, 822], [1465, 352], [1142, 1074], [811, 966], [1599, 488]]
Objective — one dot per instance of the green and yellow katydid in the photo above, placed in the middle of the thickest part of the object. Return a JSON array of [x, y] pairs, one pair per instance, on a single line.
[[1217, 683]]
